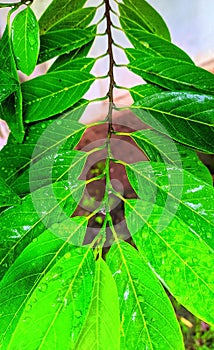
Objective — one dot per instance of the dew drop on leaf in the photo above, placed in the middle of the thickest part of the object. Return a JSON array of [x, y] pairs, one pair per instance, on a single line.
[[78, 314], [43, 287]]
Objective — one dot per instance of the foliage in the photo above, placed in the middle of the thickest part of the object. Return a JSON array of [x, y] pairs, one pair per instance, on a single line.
[[63, 284]]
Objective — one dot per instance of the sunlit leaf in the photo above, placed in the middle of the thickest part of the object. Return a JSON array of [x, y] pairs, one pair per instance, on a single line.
[[7, 196], [53, 93], [7, 85], [179, 257], [147, 317], [102, 326], [25, 40]]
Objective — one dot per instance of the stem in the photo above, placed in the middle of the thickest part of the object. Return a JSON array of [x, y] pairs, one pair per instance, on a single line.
[[17, 4]]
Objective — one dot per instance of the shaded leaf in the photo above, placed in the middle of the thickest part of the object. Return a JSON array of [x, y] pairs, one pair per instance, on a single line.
[[53, 93], [160, 148], [7, 196], [101, 329], [147, 317], [25, 40], [51, 285], [7, 85], [11, 108], [139, 14], [179, 257], [57, 11], [187, 117], [63, 41]]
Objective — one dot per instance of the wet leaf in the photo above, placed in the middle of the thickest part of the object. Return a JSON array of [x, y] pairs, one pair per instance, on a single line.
[[25, 40], [51, 278], [101, 329], [53, 93], [7, 85], [7, 196], [147, 317], [180, 258], [187, 117], [79, 64]]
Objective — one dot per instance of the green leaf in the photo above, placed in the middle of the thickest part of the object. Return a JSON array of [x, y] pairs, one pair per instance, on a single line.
[[25, 40], [57, 12], [11, 108], [173, 74], [187, 117], [139, 14], [7, 196], [160, 148], [50, 169], [149, 44], [77, 19], [41, 140], [80, 64], [7, 85], [40, 210], [147, 317], [51, 286], [53, 93], [63, 41], [102, 326], [177, 191], [178, 256]]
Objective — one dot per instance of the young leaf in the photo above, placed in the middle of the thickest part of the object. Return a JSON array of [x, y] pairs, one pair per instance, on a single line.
[[147, 317], [102, 326], [25, 40], [187, 117], [11, 108], [58, 11], [179, 257], [173, 74], [53, 93], [160, 148], [59, 42], [138, 13], [52, 280], [7, 196]]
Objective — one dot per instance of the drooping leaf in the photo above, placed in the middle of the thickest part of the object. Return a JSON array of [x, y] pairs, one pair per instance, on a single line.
[[149, 44], [7, 196], [58, 11], [101, 329], [63, 165], [147, 317], [53, 279], [173, 74], [180, 258], [139, 14], [11, 108], [53, 93], [59, 42], [177, 191], [160, 148], [25, 40], [187, 117], [40, 210], [7, 85], [41, 140]]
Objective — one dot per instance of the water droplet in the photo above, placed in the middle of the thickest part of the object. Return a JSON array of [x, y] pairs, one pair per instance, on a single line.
[[78, 314], [140, 298], [67, 255], [59, 122], [57, 272], [26, 319], [43, 287]]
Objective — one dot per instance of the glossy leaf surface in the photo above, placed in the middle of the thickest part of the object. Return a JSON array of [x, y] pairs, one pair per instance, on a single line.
[[81, 64], [53, 279], [147, 317], [53, 93], [25, 39], [187, 117], [7, 85], [63, 41], [180, 258], [102, 326], [7, 196], [160, 148], [140, 14]]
